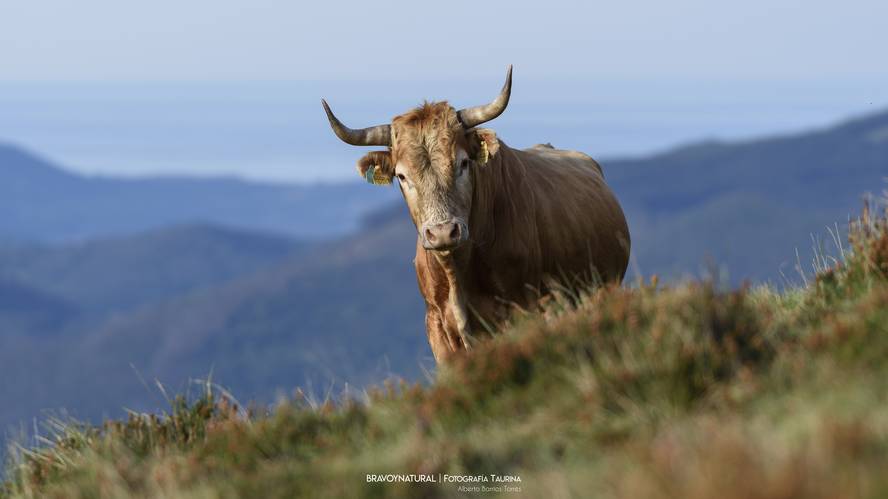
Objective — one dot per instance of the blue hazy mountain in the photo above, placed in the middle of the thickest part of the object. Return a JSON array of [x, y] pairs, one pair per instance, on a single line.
[[41, 202], [110, 274], [26, 309], [747, 206]]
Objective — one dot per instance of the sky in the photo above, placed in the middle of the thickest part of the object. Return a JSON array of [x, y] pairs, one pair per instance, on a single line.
[[272, 40], [134, 88]]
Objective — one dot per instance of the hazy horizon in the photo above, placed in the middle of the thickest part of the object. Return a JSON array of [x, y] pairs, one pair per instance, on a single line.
[[277, 131]]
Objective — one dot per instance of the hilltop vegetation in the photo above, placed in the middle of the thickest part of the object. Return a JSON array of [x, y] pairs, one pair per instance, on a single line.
[[687, 391]]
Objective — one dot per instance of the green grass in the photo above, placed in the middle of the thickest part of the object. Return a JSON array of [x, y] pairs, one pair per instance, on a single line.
[[683, 392]]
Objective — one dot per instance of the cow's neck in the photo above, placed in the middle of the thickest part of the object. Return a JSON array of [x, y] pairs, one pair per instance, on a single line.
[[503, 225], [503, 206]]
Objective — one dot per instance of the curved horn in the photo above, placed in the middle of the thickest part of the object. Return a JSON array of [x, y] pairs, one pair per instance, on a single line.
[[473, 116], [380, 135]]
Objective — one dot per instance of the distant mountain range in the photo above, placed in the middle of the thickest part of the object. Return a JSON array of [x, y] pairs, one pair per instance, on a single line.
[[178, 278], [25, 309], [112, 274], [747, 206], [41, 202]]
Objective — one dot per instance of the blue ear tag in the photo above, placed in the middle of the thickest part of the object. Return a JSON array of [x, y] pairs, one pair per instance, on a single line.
[[368, 175], [374, 176]]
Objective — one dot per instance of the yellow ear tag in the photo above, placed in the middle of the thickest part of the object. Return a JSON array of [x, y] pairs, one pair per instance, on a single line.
[[375, 176], [484, 156]]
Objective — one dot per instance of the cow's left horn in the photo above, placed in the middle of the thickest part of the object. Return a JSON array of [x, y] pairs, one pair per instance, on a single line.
[[474, 116], [380, 135]]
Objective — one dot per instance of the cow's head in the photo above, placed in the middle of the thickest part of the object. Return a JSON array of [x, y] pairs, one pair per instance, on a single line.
[[433, 151]]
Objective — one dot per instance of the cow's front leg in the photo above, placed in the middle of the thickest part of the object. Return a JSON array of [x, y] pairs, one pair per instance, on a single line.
[[461, 318], [442, 345], [456, 303]]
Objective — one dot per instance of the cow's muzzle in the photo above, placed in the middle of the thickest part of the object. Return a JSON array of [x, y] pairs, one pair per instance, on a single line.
[[444, 236]]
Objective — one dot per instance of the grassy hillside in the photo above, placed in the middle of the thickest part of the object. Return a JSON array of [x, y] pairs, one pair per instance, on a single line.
[[688, 392]]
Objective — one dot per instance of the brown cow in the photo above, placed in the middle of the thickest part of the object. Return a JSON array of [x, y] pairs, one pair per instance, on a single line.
[[495, 224]]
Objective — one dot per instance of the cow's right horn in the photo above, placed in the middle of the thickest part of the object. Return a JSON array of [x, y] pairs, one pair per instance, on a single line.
[[474, 116], [380, 135]]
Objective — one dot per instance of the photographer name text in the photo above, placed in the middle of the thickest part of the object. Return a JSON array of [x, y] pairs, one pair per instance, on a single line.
[[442, 478]]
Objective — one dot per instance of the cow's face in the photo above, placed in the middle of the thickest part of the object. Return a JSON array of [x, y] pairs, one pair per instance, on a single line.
[[433, 160], [433, 153]]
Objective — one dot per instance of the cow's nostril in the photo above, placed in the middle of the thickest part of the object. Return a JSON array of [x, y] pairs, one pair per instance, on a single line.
[[430, 235], [454, 232]]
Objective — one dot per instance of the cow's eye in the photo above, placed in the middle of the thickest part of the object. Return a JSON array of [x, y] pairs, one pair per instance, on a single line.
[[463, 165], [402, 180]]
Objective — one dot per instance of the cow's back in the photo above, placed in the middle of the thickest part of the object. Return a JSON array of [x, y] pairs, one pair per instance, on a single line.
[[580, 223]]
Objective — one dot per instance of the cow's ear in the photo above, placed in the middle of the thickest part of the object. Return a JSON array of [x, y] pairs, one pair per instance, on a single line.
[[376, 167], [484, 144]]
